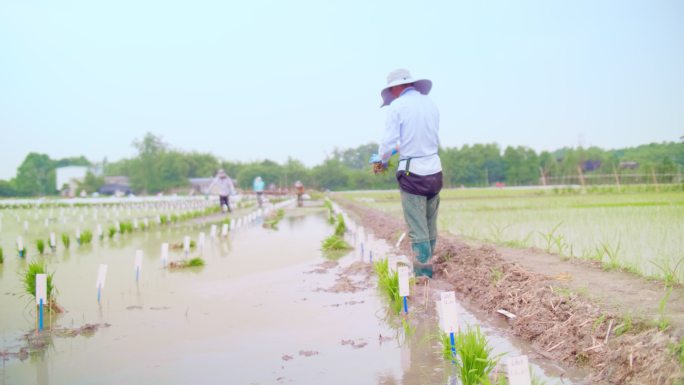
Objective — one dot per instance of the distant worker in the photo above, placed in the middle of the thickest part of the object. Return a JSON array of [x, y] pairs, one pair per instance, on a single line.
[[225, 188], [411, 129], [299, 189], [258, 187]]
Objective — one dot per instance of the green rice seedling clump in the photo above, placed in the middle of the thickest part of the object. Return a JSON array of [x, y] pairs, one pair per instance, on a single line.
[[2, 256], [388, 284], [66, 241], [40, 245], [111, 232], [29, 280], [86, 237], [334, 242], [341, 227], [194, 262], [474, 361]]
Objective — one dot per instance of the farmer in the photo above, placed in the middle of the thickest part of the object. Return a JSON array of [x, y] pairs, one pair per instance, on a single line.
[[411, 129], [258, 187], [299, 189], [225, 188]]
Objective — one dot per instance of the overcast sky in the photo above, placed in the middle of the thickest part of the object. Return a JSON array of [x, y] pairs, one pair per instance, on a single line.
[[250, 80]]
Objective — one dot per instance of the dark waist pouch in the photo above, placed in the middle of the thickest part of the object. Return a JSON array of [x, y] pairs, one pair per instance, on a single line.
[[424, 185]]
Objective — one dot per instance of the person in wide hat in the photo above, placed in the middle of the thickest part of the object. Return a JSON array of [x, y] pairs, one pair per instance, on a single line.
[[412, 131]]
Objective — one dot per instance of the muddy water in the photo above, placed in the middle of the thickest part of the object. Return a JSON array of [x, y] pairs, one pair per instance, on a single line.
[[255, 314]]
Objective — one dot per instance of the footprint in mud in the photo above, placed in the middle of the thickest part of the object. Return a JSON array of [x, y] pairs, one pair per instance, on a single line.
[[134, 307]]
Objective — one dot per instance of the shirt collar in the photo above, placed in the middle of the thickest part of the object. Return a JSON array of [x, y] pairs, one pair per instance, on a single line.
[[407, 89]]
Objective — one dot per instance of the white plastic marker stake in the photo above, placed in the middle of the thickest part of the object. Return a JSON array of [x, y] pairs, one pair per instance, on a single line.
[[47, 222], [448, 317], [26, 226], [403, 273], [146, 222], [78, 235], [200, 241], [99, 231], [224, 230], [20, 246], [232, 225], [138, 264], [101, 277], [41, 297], [186, 245], [135, 223], [164, 253], [400, 239], [53, 240], [212, 232], [518, 370]]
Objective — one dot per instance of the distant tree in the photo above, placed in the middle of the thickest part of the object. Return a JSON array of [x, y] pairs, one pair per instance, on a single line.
[[91, 183], [332, 175], [36, 176], [522, 166], [7, 189]]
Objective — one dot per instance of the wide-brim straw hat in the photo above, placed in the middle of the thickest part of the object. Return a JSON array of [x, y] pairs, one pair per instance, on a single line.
[[401, 76], [221, 174]]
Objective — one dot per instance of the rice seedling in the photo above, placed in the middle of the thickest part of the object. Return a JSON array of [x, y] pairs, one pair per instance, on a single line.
[[40, 245], [388, 284], [551, 237], [678, 351], [66, 241], [86, 237], [445, 340], [341, 227], [2, 256], [125, 227], [271, 222], [474, 360], [669, 272], [193, 262], [28, 280], [624, 327], [663, 322], [111, 232], [612, 253], [335, 243]]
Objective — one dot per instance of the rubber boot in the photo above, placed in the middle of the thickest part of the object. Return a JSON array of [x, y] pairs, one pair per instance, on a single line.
[[421, 265]]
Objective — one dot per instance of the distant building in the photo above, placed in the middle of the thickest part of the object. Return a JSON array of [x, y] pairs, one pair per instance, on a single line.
[[629, 165], [68, 179], [122, 180], [115, 185]]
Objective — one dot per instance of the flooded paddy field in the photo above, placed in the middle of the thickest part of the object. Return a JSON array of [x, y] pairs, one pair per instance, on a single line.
[[267, 307], [640, 232]]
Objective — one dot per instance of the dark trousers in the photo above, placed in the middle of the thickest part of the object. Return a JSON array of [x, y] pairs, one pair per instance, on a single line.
[[223, 200]]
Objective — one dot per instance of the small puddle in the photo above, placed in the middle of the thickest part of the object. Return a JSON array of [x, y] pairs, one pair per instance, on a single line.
[[267, 308]]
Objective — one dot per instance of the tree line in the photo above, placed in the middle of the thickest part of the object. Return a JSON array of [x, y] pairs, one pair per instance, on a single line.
[[159, 168]]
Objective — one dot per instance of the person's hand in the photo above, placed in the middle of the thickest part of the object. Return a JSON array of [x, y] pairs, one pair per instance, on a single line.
[[379, 167]]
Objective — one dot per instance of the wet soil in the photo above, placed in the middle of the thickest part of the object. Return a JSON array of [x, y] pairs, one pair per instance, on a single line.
[[569, 311]]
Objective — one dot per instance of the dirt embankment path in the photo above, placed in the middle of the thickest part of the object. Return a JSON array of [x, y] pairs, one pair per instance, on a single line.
[[571, 312]]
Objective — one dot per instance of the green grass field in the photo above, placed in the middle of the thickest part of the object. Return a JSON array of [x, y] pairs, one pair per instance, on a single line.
[[642, 232]]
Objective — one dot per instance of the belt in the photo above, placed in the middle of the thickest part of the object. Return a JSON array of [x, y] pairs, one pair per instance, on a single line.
[[408, 162]]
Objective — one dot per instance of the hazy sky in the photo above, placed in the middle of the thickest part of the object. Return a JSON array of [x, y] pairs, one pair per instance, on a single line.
[[249, 80]]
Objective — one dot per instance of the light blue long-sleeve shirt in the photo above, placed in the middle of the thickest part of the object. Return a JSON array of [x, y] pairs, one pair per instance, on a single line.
[[412, 127]]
